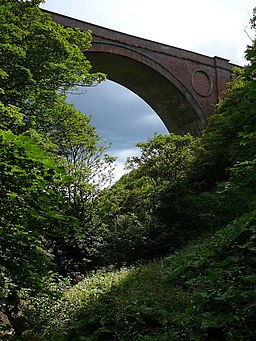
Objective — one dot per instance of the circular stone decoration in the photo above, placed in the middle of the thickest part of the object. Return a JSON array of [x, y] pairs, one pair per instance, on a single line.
[[202, 83]]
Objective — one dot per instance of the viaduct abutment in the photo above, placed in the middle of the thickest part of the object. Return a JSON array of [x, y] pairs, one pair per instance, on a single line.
[[181, 86]]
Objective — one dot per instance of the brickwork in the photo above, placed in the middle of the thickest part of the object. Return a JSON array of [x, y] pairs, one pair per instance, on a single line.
[[183, 87]]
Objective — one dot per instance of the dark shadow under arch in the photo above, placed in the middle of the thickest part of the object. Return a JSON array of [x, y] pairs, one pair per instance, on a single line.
[[176, 107]]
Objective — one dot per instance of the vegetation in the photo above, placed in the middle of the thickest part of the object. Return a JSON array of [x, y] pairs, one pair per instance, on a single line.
[[166, 253], [204, 292], [40, 61]]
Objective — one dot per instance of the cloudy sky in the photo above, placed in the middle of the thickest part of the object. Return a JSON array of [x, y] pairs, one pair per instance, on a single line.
[[210, 27]]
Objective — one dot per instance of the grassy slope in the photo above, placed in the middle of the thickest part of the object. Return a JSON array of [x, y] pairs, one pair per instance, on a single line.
[[204, 292]]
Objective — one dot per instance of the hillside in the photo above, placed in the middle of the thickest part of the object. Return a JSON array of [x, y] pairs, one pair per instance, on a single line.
[[204, 292]]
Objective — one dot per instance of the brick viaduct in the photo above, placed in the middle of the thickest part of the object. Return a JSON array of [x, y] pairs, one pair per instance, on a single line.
[[182, 87]]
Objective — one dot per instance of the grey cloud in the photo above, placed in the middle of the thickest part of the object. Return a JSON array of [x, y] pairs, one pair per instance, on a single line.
[[120, 116]]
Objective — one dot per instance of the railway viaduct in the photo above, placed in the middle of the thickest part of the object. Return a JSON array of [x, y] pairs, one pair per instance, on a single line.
[[181, 86]]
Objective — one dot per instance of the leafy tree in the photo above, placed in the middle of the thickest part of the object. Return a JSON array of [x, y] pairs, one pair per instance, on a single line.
[[39, 58], [75, 145], [31, 212], [224, 169], [39, 62], [229, 138], [162, 157], [137, 226], [253, 19], [163, 163]]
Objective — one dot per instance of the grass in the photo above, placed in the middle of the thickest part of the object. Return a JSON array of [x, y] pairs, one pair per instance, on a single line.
[[204, 292]]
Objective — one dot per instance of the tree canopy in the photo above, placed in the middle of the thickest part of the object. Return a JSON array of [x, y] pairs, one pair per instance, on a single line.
[[39, 135]]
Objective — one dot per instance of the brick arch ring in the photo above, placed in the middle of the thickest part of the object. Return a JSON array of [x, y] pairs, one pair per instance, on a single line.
[[153, 82]]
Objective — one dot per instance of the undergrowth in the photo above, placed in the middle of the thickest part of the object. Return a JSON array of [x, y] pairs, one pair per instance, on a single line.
[[204, 292]]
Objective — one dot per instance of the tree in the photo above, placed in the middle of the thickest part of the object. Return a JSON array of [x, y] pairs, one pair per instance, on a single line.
[[76, 147], [39, 59], [31, 209], [39, 62], [229, 138], [253, 19], [134, 215], [223, 173], [162, 157]]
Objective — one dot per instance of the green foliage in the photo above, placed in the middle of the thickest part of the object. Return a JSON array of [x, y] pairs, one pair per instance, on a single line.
[[74, 144], [130, 210], [73, 141], [39, 57], [39, 62], [162, 157], [204, 292], [54, 219], [229, 139], [48, 311], [30, 210]]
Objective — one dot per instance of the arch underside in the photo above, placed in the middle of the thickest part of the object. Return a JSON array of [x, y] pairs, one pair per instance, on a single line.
[[176, 108]]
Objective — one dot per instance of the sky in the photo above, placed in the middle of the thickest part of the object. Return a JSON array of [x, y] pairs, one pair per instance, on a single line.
[[210, 27]]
